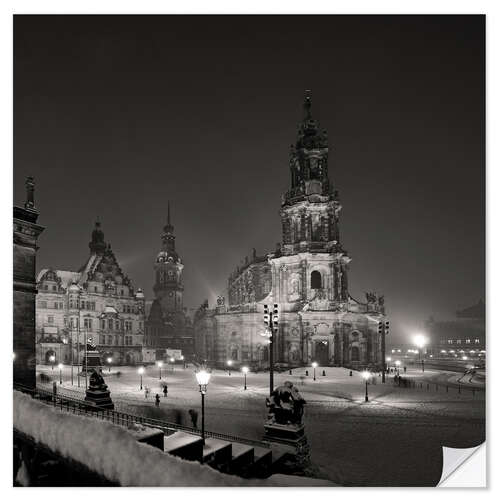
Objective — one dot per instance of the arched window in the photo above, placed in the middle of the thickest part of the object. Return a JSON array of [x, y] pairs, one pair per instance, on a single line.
[[355, 354], [315, 280]]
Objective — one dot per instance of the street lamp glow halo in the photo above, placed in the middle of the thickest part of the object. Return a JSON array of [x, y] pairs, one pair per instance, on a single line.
[[202, 377], [398, 362], [160, 364], [366, 374], [245, 369], [314, 364], [420, 341], [140, 370], [60, 366], [109, 360]]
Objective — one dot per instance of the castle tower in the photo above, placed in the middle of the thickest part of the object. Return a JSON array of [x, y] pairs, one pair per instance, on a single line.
[[310, 222], [168, 287]]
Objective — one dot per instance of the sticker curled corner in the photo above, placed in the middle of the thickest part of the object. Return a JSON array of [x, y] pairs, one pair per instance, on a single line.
[[453, 458]]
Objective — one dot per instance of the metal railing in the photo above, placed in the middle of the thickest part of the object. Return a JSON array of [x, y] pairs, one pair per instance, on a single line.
[[79, 406]]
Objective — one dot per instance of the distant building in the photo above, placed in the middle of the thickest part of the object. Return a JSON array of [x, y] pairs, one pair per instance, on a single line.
[[462, 335], [97, 304], [26, 232], [307, 276], [168, 326]]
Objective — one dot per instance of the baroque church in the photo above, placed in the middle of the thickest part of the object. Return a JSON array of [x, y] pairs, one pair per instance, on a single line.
[[96, 304], [168, 326], [307, 276]]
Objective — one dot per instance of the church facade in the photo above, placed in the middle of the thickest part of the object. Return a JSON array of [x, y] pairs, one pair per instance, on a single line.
[[307, 276], [96, 304], [168, 326]]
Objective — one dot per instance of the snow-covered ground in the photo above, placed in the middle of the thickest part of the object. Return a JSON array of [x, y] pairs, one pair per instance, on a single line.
[[352, 442]]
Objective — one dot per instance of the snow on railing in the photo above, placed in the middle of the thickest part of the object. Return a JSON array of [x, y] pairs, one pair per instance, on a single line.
[[111, 450]]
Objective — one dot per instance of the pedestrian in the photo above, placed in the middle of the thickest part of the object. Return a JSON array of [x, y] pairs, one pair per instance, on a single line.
[[165, 390], [157, 400], [194, 418], [404, 368], [146, 392]]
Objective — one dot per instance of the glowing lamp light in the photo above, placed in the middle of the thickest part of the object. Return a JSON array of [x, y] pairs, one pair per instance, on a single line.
[[398, 362], [202, 377], [465, 358], [366, 374], [60, 366], [245, 369], [172, 360], [388, 358], [160, 364], [314, 364], [52, 358], [140, 371], [109, 360], [419, 341], [229, 362]]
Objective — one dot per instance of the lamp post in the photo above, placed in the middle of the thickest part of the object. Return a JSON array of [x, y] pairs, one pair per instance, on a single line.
[[366, 375], [109, 360], [140, 371], [60, 366], [203, 377], [245, 371], [52, 359], [160, 364], [397, 363], [420, 342], [229, 364], [172, 360], [183, 362], [314, 366]]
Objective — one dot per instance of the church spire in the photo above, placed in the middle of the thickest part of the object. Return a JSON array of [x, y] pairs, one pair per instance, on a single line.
[[168, 228], [307, 105]]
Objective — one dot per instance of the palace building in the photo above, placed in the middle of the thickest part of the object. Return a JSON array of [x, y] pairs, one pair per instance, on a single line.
[[168, 326], [96, 304], [307, 276]]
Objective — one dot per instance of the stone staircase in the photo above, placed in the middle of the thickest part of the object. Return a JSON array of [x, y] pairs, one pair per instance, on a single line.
[[240, 459]]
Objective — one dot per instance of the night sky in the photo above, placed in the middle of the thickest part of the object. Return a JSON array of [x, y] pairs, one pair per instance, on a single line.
[[116, 115]]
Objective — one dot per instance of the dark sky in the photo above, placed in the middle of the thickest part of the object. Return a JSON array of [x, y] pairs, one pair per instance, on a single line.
[[114, 116]]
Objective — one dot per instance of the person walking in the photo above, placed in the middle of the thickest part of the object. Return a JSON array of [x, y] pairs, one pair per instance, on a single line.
[[194, 418], [157, 400], [165, 390]]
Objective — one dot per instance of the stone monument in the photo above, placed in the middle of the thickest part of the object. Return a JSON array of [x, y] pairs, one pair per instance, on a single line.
[[92, 358], [98, 394]]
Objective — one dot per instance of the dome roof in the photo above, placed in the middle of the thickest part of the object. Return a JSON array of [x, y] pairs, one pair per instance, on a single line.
[[139, 294], [74, 288]]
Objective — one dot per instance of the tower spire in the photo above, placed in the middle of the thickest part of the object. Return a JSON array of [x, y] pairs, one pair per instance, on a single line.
[[307, 105], [168, 228]]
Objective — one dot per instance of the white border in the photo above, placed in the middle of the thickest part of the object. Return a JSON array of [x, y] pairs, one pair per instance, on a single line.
[[255, 7]]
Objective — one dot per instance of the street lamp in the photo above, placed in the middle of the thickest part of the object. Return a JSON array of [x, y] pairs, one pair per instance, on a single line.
[[245, 371], [140, 371], [229, 364], [60, 366], [109, 360], [172, 360], [52, 359], [160, 364], [203, 377], [314, 365], [420, 341], [397, 363], [366, 375]]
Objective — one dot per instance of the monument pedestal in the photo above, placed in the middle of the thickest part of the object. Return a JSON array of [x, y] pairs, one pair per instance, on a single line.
[[92, 362], [98, 394]]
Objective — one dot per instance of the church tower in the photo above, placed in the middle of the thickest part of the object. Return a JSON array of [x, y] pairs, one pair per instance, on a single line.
[[168, 287], [312, 262]]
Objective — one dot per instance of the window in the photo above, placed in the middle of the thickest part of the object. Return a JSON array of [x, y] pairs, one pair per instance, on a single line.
[[476, 341], [87, 323], [450, 341], [459, 341], [110, 340], [95, 289], [102, 339], [315, 280], [103, 325], [355, 354], [467, 341], [54, 288], [110, 324], [71, 304], [92, 306], [117, 325], [50, 319]]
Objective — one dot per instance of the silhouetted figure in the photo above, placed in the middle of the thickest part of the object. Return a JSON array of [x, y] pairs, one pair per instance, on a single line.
[[194, 418], [157, 400], [404, 368], [165, 390]]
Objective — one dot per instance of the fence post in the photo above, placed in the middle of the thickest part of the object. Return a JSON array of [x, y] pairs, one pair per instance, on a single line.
[[459, 389]]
